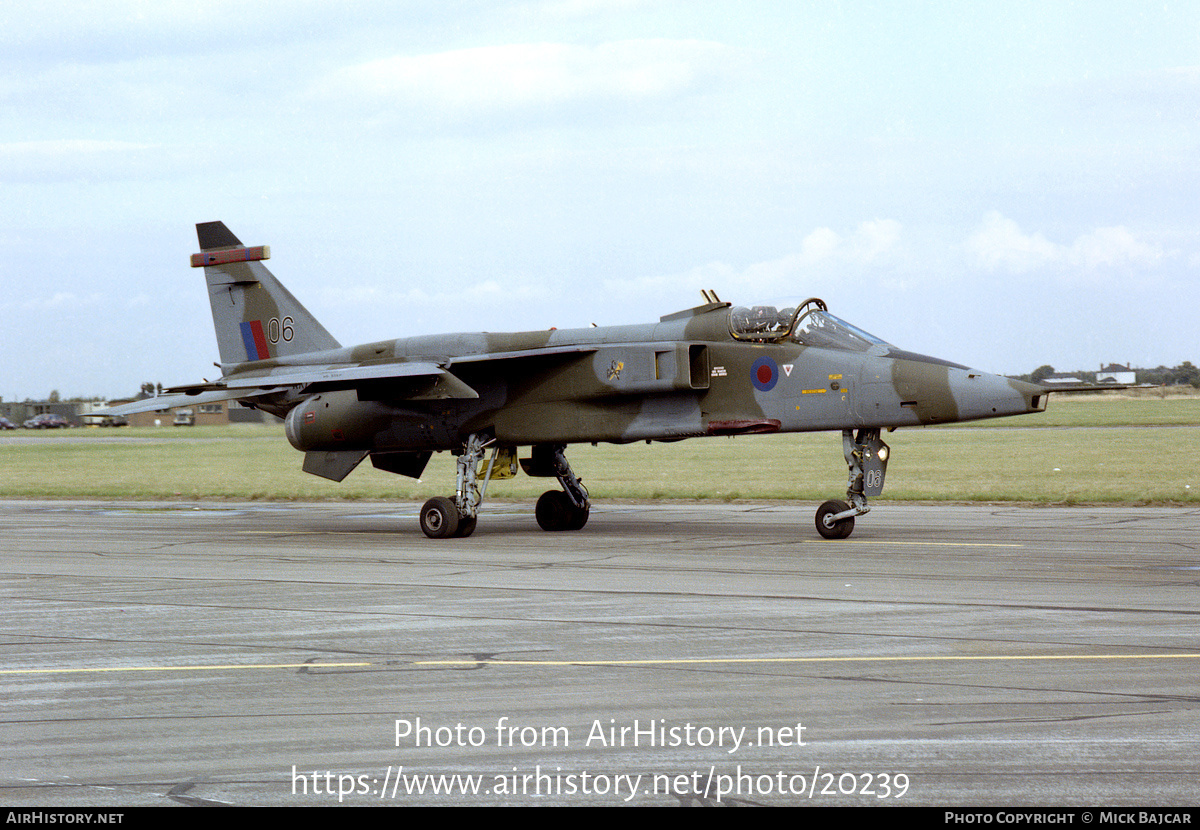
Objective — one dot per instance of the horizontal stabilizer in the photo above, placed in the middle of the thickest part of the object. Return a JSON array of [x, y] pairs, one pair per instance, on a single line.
[[164, 402], [255, 254], [307, 375], [331, 377]]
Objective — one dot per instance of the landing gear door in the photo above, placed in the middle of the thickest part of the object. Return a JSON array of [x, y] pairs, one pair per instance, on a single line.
[[875, 394], [874, 465]]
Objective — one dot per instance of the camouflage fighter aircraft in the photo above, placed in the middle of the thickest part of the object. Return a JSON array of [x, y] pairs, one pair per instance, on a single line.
[[708, 371]]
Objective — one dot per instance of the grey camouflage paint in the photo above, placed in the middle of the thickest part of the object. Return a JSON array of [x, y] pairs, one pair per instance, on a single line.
[[684, 376]]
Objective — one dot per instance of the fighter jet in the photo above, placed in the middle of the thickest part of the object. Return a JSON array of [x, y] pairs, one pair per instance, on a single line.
[[494, 400]]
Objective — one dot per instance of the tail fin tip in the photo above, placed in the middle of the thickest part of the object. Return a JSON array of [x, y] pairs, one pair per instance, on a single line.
[[215, 235]]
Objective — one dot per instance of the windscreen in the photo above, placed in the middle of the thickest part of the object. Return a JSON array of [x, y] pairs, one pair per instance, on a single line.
[[820, 328]]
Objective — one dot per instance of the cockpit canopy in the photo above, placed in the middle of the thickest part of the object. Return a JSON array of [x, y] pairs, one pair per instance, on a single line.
[[809, 324]]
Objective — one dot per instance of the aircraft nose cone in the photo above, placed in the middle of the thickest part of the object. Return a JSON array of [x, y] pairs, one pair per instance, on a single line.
[[937, 391], [1035, 395], [982, 395]]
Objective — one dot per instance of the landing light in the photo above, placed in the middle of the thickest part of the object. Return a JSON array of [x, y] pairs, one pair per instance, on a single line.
[[883, 453]]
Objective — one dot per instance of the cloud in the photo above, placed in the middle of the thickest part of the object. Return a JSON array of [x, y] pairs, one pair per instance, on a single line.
[[386, 310], [525, 76], [580, 8], [59, 302], [1111, 247], [819, 245], [871, 243], [1000, 245], [875, 243], [1168, 95], [66, 159], [59, 148]]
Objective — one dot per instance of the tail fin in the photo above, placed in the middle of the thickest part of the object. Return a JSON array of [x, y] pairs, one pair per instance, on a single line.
[[256, 318]]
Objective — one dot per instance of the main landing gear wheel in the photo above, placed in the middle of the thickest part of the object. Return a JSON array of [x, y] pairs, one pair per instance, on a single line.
[[565, 509], [466, 526], [555, 511], [834, 530], [444, 518], [439, 518]]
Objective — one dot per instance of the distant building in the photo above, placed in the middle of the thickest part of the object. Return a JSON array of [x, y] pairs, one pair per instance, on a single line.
[[1061, 379], [1116, 373], [80, 413]]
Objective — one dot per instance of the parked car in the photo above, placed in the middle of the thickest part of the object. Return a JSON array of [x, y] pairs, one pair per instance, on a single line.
[[47, 420], [6, 424]]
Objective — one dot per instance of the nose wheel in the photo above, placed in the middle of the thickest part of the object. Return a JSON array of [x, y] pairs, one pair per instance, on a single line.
[[832, 528]]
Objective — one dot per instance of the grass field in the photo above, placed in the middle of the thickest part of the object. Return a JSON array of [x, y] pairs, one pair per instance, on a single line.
[[1082, 450]]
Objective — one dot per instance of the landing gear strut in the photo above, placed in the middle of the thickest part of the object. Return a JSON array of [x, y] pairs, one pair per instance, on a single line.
[[568, 508], [441, 517], [866, 456]]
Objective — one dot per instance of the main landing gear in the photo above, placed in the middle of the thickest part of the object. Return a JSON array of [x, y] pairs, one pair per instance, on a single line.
[[565, 509], [441, 517], [866, 456]]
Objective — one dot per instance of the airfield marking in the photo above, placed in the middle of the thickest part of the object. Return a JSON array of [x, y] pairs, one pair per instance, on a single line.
[[219, 667], [776, 660], [949, 658], [927, 544]]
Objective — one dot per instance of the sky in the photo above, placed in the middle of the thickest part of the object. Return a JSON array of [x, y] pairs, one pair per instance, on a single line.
[[1002, 184]]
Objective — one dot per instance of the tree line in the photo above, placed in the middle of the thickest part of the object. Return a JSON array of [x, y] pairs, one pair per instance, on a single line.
[[1185, 374]]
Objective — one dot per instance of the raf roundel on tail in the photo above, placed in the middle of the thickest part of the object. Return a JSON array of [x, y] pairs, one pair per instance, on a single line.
[[494, 399]]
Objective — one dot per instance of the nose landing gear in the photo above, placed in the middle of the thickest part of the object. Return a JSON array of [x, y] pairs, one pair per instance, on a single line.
[[867, 457]]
